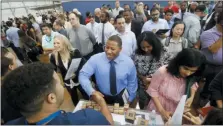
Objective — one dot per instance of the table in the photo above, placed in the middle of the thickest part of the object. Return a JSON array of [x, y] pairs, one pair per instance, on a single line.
[[120, 119]]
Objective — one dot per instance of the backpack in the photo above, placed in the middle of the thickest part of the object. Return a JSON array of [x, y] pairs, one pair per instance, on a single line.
[[184, 42]]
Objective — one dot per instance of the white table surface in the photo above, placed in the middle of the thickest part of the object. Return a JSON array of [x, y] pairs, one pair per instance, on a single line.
[[120, 119]]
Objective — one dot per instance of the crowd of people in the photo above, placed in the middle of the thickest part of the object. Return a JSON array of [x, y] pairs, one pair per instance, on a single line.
[[157, 55]]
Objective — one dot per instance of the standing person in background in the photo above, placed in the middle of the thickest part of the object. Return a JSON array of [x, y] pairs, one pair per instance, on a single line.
[[104, 29], [58, 27], [211, 47], [117, 8], [192, 7], [81, 37], [149, 56], [48, 38], [38, 32], [12, 35], [92, 25], [155, 23], [140, 13], [168, 16], [193, 26], [175, 42], [97, 13], [88, 16], [172, 7], [128, 37], [183, 12]]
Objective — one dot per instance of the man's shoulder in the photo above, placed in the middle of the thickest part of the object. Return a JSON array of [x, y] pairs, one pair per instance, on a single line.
[[126, 59], [87, 117], [98, 56], [19, 121]]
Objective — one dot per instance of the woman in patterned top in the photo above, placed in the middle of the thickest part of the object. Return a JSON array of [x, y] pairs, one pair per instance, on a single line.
[[149, 56]]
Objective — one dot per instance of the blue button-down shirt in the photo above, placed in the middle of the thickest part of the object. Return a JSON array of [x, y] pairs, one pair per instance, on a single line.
[[100, 66]]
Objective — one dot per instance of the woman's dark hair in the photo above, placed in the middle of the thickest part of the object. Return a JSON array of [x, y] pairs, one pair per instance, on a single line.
[[146, 5], [214, 117], [187, 57], [151, 39], [220, 18], [174, 25], [5, 62]]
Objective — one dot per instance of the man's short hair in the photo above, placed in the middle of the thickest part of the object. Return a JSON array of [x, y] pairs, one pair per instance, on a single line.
[[26, 87], [117, 39], [97, 10], [154, 9], [200, 8], [4, 51], [169, 11], [117, 17], [5, 62], [77, 15], [9, 23], [46, 25], [58, 22], [106, 14]]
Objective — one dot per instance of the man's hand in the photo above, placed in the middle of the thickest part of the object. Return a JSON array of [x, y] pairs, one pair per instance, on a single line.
[[97, 97], [163, 36]]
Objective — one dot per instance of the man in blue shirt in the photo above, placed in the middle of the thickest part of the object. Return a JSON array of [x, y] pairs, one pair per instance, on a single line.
[[36, 91], [114, 73]]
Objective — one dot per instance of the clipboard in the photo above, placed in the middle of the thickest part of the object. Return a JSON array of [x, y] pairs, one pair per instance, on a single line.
[[162, 31], [73, 68]]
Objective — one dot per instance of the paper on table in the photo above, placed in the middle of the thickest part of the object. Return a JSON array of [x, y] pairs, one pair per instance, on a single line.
[[178, 114], [125, 96], [73, 68]]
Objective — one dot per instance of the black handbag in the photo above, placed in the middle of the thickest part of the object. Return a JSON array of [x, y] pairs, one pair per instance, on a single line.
[[98, 48]]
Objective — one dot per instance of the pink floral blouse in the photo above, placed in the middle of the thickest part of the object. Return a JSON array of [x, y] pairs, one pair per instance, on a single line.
[[167, 88]]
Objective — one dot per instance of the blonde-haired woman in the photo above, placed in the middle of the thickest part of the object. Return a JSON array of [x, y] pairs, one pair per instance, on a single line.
[[62, 57]]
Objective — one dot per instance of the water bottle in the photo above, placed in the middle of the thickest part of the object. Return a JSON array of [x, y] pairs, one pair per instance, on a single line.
[[152, 117]]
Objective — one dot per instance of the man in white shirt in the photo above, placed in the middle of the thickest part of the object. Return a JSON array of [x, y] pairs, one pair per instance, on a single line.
[[104, 29], [155, 23], [183, 12], [92, 25], [128, 37], [117, 9]]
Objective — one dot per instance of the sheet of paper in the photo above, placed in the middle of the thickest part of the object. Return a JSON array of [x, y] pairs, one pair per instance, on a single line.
[[73, 68], [178, 114], [125, 96]]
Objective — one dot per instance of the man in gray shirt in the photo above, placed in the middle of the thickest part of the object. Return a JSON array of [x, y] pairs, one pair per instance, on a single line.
[[80, 36], [193, 26]]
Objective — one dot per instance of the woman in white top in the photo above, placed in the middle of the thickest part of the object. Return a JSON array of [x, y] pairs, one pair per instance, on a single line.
[[176, 42], [62, 57]]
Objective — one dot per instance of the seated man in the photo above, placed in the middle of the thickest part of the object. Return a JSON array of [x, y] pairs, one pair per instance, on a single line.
[[36, 91], [114, 73]]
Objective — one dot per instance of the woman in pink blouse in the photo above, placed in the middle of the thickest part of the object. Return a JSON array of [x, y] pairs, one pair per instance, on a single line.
[[168, 84]]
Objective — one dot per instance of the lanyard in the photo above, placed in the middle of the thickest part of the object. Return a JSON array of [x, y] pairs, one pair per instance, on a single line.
[[47, 119]]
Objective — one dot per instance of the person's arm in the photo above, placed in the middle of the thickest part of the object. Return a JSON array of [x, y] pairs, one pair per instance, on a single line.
[[132, 84], [91, 35], [134, 46], [216, 46], [216, 90], [85, 73], [193, 90], [194, 33], [104, 109]]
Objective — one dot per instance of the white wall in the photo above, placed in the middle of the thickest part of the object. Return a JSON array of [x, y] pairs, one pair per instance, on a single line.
[[19, 12]]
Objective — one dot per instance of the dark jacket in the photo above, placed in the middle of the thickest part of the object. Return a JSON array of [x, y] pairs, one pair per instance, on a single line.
[[136, 27], [60, 67]]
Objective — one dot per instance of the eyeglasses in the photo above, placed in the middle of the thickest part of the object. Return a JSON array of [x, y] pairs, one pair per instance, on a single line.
[[155, 14]]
